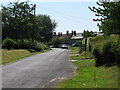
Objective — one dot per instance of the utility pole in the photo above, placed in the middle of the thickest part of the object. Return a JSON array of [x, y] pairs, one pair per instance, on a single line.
[[34, 9]]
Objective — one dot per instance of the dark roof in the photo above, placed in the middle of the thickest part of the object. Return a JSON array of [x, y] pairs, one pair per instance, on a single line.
[[77, 36], [56, 36], [66, 36]]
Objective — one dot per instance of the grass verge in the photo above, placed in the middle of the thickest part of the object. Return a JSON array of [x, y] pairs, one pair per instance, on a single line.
[[74, 50], [89, 76], [82, 55], [15, 54]]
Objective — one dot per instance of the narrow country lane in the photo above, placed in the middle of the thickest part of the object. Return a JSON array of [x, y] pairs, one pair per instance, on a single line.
[[38, 70]]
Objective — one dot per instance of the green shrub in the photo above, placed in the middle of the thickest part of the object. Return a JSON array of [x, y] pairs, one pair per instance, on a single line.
[[79, 43], [8, 43], [24, 44], [110, 53], [106, 50], [56, 42], [98, 38], [98, 58], [109, 56], [28, 44], [40, 46]]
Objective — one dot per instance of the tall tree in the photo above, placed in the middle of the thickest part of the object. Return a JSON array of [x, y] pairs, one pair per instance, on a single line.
[[18, 20], [109, 16], [45, 27]]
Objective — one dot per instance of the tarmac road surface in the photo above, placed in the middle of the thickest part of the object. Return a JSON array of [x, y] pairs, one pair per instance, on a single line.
[[37, 71]]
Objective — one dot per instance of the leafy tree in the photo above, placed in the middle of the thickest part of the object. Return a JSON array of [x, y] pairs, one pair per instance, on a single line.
[[18, 18], [20, 23], [109, 16], [87, 34], [45, 26]]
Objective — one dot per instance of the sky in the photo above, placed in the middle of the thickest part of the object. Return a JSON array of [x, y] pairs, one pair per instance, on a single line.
[[69, 15]]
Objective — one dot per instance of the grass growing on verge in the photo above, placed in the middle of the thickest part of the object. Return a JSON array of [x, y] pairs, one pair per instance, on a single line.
[[89, 76], [82, 55], [74, 50], [15, 54]]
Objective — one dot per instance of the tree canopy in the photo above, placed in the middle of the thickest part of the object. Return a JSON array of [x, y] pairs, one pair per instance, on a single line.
[[87, 34], [45, 26], [109, 16], [20, 22]]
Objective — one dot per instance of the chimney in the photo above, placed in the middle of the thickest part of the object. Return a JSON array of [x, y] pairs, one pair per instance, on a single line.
[[74, 33], [61, 34], [67, 32], [54, 33], [58, 33]]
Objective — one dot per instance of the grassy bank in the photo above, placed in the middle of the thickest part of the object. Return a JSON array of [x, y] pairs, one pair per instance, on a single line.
[[15, 54], [89, 76]]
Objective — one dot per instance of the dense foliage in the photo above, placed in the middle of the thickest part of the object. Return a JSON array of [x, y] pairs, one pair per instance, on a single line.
[[18, 20], [106, 50], [87, 33], [22, 25], [45, 27], [9, 43], [109, 16], [40, 46], [56, 42]]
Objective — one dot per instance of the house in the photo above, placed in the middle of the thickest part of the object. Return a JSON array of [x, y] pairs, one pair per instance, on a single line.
[[76, 37], [69, 38], [72, 37], [98, 33], [66, 36]]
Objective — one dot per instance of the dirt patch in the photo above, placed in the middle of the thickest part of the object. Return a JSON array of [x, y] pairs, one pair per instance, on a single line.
[[52, 83]]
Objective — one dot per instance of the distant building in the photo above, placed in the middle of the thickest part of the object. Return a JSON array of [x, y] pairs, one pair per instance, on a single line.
[[98, 33], [78, 36], [72, 37], [66, 36], [69, 37]]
